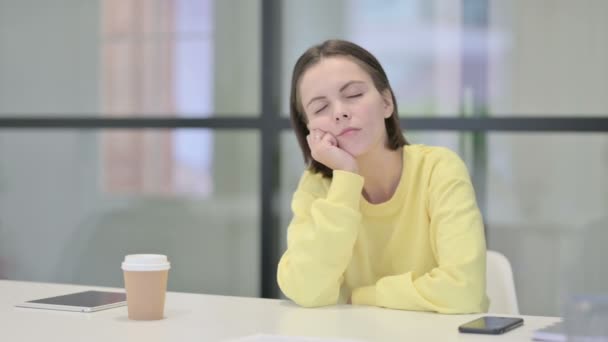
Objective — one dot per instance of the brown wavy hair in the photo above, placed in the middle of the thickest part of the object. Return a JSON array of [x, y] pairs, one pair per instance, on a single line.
[[369, 63]]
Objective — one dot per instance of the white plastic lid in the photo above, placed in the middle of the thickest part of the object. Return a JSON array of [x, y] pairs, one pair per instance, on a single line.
[[146, 262]]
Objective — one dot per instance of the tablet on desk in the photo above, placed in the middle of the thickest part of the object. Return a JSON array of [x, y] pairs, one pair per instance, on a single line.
[[87, 301]]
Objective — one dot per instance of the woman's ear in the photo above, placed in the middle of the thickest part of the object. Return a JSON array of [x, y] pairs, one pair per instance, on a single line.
[[387, 100]]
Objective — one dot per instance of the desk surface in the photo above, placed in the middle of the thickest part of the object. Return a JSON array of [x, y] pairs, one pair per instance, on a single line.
[[197, 317]]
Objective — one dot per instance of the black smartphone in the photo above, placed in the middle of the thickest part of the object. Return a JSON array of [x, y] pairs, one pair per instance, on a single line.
[[491, 325]]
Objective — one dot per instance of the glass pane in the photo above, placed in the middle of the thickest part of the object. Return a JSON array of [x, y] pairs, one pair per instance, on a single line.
[[469, 58], [417, 42], [193, 58], [292, 166], [550, 58], [50, 57], [73, 205], [547, 200]]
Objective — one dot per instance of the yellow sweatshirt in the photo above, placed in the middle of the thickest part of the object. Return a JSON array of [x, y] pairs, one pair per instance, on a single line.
[[424, 249]]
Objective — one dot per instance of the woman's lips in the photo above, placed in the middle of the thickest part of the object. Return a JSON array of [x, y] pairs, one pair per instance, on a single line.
[[348, 131]]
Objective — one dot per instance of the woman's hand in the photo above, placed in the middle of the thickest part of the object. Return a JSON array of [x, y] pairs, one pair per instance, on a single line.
[[324, 149]]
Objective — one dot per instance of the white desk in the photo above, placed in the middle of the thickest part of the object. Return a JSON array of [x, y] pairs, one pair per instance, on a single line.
[[196, 317]]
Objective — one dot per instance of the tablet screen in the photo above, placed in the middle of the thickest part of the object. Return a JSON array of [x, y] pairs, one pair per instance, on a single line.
[[81, 301]]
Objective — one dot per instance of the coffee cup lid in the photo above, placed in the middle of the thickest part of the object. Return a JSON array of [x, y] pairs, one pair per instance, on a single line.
[[146, 262]]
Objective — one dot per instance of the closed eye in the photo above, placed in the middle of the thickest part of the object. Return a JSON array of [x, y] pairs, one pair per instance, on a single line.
[[321, 109], [354, 96]]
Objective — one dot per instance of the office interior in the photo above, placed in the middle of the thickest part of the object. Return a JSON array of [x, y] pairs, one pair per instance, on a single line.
[[75, 200]]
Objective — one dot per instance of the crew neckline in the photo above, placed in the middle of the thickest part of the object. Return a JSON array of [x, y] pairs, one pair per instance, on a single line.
[[392, 203]]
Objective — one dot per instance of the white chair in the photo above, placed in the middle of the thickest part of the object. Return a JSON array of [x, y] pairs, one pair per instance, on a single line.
[[500, 286]]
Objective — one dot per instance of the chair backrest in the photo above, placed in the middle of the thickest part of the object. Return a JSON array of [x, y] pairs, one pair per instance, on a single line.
[[500, 286]]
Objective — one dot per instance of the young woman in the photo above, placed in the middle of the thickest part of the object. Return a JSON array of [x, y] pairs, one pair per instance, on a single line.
[[376, 221]]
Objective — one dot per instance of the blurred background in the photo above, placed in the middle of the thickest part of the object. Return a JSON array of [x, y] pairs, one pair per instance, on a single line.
[[213, 194]]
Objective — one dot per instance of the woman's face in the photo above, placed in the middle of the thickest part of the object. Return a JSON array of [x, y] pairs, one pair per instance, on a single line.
[[339, 97]]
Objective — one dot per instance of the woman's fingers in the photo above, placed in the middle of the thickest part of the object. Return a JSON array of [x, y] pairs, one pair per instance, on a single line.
[[325, 150], [315, 136], [318, 135], [329, 139], [317, 139]]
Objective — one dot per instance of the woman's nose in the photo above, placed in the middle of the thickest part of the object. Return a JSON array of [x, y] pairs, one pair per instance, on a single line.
[[341, 116]]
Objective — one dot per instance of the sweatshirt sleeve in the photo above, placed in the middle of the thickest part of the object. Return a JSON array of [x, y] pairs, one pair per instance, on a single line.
[[320, 239], [457, 284]]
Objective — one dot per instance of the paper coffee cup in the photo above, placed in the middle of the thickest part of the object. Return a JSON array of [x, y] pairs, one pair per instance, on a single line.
[[146, 284]]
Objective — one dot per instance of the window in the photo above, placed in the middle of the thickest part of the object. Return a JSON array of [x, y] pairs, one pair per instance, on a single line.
[[157, 60]]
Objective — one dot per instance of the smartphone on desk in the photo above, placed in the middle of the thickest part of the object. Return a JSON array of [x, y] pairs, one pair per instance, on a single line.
[[491, 325]]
